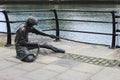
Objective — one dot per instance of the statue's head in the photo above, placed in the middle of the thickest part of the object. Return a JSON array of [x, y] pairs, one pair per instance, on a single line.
[[31, 21]]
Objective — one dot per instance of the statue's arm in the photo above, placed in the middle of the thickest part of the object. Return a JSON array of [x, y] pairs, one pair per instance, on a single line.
[[34, 30]]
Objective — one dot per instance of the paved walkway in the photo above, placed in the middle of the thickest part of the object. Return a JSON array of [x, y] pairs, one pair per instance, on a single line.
[[51, 66]]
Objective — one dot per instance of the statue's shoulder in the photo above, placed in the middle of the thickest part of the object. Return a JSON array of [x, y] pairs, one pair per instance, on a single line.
[[20, 28]]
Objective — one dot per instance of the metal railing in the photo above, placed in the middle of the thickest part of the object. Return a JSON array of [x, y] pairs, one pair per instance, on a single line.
[[56, 19]]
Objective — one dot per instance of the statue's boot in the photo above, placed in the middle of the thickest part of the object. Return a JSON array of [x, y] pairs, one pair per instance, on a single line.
[[60, 50]]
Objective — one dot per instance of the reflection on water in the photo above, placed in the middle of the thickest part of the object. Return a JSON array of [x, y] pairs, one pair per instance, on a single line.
[[80, 26]]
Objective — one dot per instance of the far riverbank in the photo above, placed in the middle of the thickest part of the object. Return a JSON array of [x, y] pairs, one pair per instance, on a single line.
[[61, 2]]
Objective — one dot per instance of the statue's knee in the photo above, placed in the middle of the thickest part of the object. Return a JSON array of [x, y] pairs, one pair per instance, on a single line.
[[29, 58]]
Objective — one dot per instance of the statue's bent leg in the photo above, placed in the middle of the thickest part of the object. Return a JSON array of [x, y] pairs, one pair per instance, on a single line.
[[48, 46], [24, 54]]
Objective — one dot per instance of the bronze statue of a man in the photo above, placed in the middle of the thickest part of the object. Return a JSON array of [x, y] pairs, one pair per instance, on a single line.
[[23, 45]]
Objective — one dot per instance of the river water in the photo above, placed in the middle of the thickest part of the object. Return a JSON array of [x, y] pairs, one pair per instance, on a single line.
[[80, 26]]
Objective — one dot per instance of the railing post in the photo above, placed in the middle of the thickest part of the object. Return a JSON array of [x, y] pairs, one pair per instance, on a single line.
[[8, 28], [57, 25], [113, 44]]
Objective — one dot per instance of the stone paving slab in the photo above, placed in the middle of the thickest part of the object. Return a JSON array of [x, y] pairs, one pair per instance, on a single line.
[[13, 59], [4, 49], [6, 64], [115, 55], [8, 53], [88, 68], [55, 68], [21, 78], [47, 59], [73, 75], [107, 74], [29, 66], [66, 63], [41, 74], [11, 73]]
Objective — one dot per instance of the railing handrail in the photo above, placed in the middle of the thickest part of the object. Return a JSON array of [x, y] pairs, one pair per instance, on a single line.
[[65, 10], [64, 20], [41, 10], [24, 20], [77, 10]]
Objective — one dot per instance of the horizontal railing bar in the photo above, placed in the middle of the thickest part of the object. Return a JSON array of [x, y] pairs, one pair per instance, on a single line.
[[3, 21], [76, 10], [117, 46], [16, 21], [117, 16], [46, 19], [6, 32], [85, 21], [83, 42], [42, 10], [87, 32], [3, 32], [64, 20], [24, 21], [60, 10], [117, 30]]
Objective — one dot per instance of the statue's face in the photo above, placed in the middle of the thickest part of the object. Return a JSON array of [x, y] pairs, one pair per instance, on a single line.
[[29, 26]]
